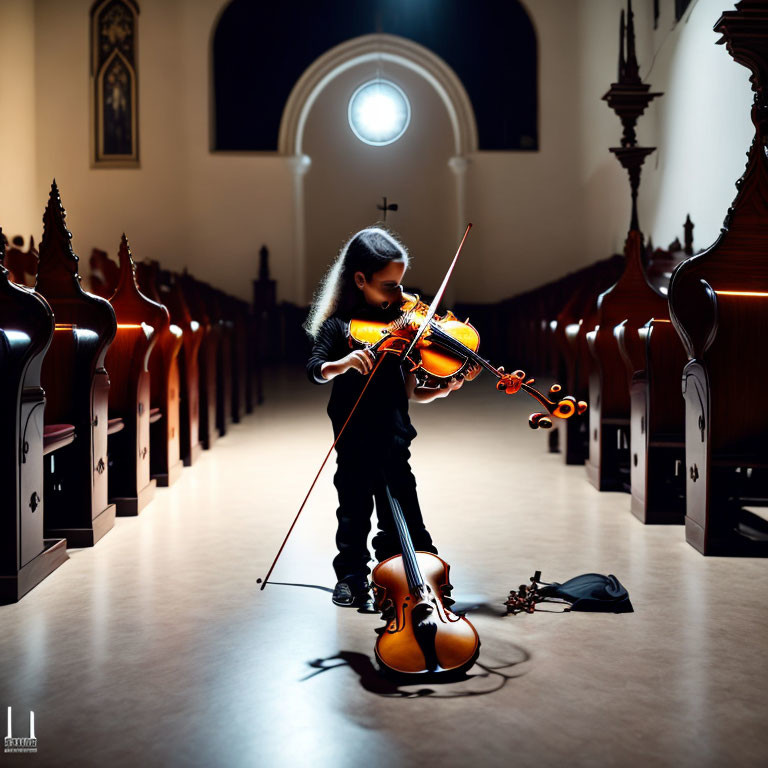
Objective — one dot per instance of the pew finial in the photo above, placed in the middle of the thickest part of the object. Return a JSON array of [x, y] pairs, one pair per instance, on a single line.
[[127, 265], [56, 253]]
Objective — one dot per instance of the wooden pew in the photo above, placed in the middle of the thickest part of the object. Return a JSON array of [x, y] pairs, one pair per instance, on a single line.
[[632, 299], [239, 316], [265, 324], [223, 356], [571, 324], [26, 329], [22, 264], [189, 389], [719, 306], [105, 274], [77, 390], [654, 361], [165, 386], [207, 359], [662, 263], [139, 323]]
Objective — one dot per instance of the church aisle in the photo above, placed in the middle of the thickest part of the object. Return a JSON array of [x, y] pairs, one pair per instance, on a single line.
[[156, 647]]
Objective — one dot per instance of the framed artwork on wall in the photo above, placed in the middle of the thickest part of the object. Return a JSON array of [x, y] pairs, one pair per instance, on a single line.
[[114, 84]]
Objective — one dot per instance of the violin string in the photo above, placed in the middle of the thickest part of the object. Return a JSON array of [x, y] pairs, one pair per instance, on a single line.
[[410, 563], [403, 544], [457, 347]]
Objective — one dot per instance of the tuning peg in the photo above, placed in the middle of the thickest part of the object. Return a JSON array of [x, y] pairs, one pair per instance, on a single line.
[[566, 407], [554, 389]]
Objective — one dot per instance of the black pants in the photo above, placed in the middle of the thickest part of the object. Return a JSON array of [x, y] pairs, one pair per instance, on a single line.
[[359, 479]]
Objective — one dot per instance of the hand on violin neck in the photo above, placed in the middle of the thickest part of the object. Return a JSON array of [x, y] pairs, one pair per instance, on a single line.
[[428, 394], [453, 384]]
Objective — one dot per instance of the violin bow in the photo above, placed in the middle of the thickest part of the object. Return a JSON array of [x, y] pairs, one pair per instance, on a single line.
[[438, 298], [403, 356], [265, 580]]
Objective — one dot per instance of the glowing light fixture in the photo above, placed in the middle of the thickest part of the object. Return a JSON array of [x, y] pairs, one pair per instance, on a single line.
[[379, 112]]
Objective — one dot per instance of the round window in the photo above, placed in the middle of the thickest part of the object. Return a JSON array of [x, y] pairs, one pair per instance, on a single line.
[[379, 112]]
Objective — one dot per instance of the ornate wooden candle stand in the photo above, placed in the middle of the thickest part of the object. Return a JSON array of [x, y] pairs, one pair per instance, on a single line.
[[629, 98]]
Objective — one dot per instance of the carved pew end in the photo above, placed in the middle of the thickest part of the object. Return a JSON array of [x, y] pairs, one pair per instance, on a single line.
[[130, 506], [56, 438], [15, 586]]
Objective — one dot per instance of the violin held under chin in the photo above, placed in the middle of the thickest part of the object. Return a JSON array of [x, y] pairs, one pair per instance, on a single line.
[[446, 351]]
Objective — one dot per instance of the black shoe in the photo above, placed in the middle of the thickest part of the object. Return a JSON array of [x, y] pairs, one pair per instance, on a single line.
[[346, 598]]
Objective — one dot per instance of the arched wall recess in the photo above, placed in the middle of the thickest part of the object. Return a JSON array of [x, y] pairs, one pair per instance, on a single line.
[[382, 48], [329, 66]]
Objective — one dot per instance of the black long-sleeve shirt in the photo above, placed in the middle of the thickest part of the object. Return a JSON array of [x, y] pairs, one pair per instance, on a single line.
[[382, 418]]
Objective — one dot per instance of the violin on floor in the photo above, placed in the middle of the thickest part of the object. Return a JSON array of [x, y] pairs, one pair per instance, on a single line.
[[412, 591]]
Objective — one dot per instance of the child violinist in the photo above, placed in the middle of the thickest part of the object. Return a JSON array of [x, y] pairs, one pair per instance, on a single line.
[[364, 283]]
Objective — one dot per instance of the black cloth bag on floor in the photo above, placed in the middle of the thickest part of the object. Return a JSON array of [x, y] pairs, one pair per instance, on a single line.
[[591, 592], [588, 592]]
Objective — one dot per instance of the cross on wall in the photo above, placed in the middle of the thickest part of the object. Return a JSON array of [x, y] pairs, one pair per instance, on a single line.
[[386, 207]]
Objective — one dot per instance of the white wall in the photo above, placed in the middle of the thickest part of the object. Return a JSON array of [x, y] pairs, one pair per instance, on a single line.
[[526, 205], [19, 213]]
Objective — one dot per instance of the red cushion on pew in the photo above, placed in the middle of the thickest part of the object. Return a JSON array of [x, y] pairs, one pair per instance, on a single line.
[[115, 425], [155, 414], [56, 436]]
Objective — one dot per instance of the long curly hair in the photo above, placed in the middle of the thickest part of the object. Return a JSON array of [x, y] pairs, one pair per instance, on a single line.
[[368, 251]]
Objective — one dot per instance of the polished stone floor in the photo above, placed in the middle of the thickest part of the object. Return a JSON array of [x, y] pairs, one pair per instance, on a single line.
[[157, 648]]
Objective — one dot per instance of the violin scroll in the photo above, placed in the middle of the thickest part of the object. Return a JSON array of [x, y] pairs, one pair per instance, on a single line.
[[560, 407]]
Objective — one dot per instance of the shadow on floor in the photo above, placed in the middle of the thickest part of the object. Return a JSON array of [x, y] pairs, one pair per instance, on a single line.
[[374, 681], [293, 584]]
